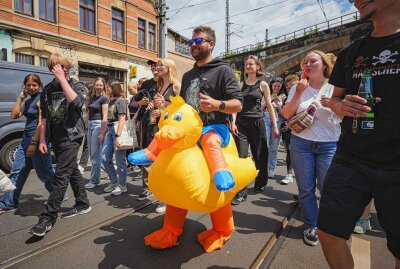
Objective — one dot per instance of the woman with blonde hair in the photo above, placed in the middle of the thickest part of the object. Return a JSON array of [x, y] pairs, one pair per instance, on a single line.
[[168, 86], [312, 149], [97, 128]]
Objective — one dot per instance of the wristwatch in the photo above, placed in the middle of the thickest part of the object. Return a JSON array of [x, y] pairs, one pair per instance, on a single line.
[[116, 135], [222, 106]]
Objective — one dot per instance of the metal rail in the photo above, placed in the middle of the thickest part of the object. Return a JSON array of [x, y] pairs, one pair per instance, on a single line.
[[310, 30], [11, 262]]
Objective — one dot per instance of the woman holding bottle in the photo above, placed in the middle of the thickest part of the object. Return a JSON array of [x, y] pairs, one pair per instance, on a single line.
[[168, 85]]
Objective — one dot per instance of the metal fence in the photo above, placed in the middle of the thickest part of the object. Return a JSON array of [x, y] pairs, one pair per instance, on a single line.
[[308, 31]]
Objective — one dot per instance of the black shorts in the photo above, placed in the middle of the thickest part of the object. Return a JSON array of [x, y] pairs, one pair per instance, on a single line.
[[348, 189]]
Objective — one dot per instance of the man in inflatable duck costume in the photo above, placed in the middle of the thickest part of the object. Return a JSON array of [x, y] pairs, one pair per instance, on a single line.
[[180, 177]]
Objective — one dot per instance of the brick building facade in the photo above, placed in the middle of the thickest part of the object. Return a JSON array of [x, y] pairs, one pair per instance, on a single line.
[[100, 37]]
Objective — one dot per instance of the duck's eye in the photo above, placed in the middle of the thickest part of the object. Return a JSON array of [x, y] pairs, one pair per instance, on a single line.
[[166, 115], [178, 116]]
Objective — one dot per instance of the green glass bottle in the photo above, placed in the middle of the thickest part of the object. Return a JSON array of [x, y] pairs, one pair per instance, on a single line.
[[365, 125]]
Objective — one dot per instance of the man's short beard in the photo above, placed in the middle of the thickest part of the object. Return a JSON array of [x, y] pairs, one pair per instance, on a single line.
[[202, 55]]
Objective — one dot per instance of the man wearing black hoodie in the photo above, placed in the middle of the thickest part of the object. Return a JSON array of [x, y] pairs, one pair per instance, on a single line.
[[212, 89]]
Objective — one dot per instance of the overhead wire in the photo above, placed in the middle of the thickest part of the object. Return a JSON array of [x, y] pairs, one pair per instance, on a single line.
[[290, 21], [179, 9], [193, 5], [238, 14]]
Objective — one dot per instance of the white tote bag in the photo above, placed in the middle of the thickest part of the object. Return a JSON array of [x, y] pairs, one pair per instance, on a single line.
[[128, 138]]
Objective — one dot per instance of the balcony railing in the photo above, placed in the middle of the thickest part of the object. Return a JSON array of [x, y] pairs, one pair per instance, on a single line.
[[308, 31]]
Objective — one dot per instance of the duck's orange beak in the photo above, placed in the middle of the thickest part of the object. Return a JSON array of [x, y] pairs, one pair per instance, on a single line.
[[168, 135]]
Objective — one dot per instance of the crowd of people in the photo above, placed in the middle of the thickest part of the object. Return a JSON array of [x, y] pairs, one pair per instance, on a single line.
[[347, 169]]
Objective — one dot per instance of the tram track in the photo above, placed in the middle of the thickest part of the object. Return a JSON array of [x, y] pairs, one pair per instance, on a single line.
[[13, 261], [262, 260], [271, 248]]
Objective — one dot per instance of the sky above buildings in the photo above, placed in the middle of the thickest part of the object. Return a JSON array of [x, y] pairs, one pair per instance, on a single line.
[[250, 18]]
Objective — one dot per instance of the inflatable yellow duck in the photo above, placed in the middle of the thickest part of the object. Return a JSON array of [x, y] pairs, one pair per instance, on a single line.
[[181, 178]]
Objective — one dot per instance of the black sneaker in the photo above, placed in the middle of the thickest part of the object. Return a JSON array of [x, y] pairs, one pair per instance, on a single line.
[[310, 237], [237, 200], [259, 189], [144, 195], [42, 227], [136, 173], [76, 211]]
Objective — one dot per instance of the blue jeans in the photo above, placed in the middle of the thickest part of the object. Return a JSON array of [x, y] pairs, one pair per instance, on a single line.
[[95, 149], [21, 168], [119, 175], [310, 161], [272, 142]]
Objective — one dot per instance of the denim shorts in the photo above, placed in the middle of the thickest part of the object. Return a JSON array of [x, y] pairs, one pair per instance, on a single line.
[[348, 188]]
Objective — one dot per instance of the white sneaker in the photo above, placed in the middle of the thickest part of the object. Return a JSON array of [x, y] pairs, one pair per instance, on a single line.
[[81, 169], [288, 179], [161, 208], [119, 190], [110, 187], [91, 185]]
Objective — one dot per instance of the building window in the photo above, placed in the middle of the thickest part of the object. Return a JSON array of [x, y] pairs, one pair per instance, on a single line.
[[47, 10], [182, 47], [117, 25], [24, 6], [43, 61], [152, 37], [87, 15], [23, 58], [141, 33]]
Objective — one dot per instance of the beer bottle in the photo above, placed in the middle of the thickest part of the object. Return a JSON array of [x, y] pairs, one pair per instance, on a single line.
[[364, 125]]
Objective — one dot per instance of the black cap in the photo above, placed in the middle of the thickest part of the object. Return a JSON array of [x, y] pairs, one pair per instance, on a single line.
[[152, 61]]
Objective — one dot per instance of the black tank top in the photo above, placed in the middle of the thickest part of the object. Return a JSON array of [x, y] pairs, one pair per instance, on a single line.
[[168, 93], [252, 96]]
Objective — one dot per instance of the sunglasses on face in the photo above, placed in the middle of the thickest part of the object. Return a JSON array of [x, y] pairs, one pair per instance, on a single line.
[[197, 41]]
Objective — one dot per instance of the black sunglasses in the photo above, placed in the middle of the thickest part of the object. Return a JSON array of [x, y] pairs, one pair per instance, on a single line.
[[197, 41]]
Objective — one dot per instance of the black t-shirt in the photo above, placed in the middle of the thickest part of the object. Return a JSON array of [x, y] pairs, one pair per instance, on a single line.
[[381, 56], [252, 97], [57, 110], [95, 107], [116, 107]]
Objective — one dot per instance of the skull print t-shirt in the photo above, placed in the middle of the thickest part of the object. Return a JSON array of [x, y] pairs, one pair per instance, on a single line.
[[57, 108], [381, 56]]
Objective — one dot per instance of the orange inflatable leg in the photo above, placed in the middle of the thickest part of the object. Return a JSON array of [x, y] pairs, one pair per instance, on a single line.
[[152, 150], [223, 227], [211, 145], [167, 236]]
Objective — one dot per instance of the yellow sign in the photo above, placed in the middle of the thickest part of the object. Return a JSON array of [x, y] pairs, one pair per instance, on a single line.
[[238, 74], [133, 71]]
